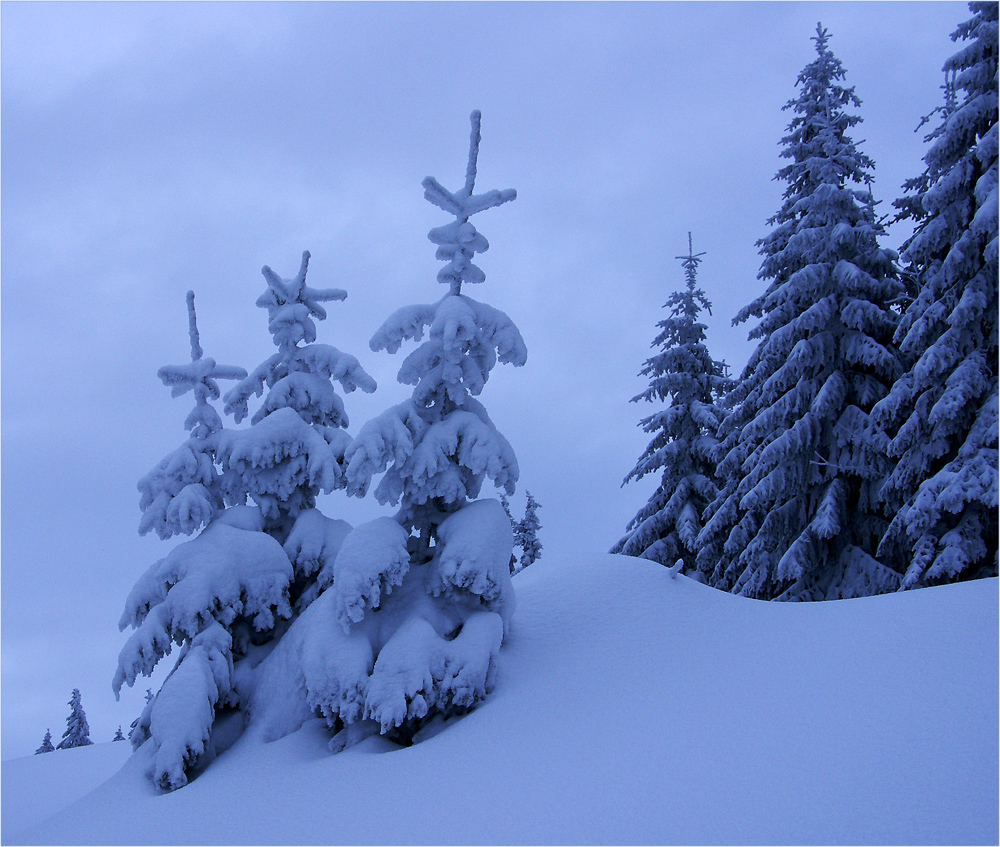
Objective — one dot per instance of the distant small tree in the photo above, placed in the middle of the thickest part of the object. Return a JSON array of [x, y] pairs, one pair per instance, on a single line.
[[77, 732], [118, 735], [526, 534], [46, 744]]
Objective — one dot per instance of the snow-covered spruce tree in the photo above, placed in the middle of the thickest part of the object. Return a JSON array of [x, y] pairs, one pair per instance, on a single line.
[[942, 413], [203, 591], [418, 605], [227, 593], [183, 492], [46, 745], [526, 534], [294, 449], [796, 517], [118, 734], [684, 375], [295, 446], [77, 732]]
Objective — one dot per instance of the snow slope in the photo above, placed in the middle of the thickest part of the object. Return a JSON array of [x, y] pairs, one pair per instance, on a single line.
[[631, 707], [36, 786]]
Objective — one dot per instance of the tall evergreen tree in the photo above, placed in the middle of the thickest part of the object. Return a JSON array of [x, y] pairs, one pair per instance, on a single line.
[[797, 516], [684, 375], [77, 732], [46, 746], [942, 413]]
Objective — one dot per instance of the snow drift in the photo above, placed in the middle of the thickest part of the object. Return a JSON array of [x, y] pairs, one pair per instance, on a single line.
[[630, 707]]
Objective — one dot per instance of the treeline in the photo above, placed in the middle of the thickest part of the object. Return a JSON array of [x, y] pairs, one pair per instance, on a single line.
[[856, 454]]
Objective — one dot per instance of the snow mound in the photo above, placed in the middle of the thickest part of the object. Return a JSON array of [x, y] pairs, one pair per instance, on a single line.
[[628, 708]]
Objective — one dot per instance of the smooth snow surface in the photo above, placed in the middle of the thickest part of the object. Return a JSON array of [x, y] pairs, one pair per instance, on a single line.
[[630, 707], [36, 787]]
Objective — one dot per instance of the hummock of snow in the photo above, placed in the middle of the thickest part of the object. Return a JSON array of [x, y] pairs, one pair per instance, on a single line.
[[630, 707], [475, 544], [37, 786], [372, 561], [375, 652], [228, 570]]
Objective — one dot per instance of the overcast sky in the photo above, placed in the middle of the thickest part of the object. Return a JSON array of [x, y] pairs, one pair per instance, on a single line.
[[151, 148]]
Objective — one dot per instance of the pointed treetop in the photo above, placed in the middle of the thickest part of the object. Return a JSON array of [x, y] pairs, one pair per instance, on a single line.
[[196, 351], [470, 171], [281, 292], [820, 74], [821, 38], [459, 241], [200, 373], [462, 203], [690, 263]]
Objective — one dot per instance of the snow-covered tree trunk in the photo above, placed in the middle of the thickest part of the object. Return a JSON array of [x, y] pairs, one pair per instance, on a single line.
[[685, 376], [942, 413], [796, 517]]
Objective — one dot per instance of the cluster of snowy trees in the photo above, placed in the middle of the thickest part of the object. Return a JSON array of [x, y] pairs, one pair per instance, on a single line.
[[857, 452], [282, 613]]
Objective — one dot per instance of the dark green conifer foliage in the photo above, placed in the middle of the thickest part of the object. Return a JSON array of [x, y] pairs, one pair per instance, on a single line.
[[942, 414], [685, 377], [77, 732], [797, 517]]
